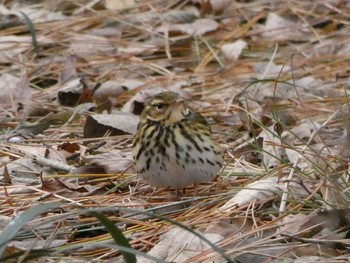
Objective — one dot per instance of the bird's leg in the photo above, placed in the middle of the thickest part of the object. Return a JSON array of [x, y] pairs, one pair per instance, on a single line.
[[178, 193], [195, 188]]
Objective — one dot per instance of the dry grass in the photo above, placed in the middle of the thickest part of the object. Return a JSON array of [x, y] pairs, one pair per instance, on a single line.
[[300, 71]]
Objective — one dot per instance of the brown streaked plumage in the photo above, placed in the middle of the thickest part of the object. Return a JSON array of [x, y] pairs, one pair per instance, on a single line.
[[173, 146]]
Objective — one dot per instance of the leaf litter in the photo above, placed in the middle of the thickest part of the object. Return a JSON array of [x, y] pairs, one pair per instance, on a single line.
[[272, 80]]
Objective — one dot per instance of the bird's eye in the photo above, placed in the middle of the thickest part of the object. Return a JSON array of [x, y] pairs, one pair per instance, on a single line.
[[160, 106]]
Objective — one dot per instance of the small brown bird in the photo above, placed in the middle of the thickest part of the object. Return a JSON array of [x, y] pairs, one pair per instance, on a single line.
[[173, 146]]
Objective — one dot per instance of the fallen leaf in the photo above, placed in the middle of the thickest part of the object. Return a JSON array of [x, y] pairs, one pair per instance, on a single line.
[[110, 124], [279, 28], [14, 89], [119, 4], [220, 5], [258, 190], [231, 52], [35, 243], [272, 149], [113, 88], [69, 71], [22, 171], [179, 245], [86, 45], [198, 27], [112, 162]]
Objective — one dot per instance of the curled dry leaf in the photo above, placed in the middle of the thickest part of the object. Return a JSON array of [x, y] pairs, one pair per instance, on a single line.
[[226, 228], [12, 46], [279, 28], [38, 150], [198, 27], [14, 89], [36, 243], [69, 71], [232, 51], [332, 219], [305, 160], [136, 49], [71, 93], [220, 5], [292, 225], [86, 45], [22, 171], [297, 138], [327, 230], [272, 151], [36, 15], [179, 245], [113, 88], [74, 186], [112, 162], [298, 134], [256, 191], [110, 124]]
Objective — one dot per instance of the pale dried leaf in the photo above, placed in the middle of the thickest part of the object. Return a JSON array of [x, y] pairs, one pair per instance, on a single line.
[[118, 122], [312, 259], [86, 45], [198, 27], [226, 228], [22, 171], [232, 51], [258, 190], [113, 88], [14, 89], [270, 70], [119, 4], [36, 243], [272, 151], [219, 5], [69, 70], [179, 245], [292, 224], [112, 162], [74, 185], [279, 28], [35, 13], [298, 134], [137, 49], [13, 46], [39, 151], [312, 156]]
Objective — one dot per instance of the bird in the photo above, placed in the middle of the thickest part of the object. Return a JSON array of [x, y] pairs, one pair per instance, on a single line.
[[173, 146]]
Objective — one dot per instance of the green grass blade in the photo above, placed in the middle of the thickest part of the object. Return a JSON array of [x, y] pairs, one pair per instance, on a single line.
[[117, 235], [10, 231], [32, 32]]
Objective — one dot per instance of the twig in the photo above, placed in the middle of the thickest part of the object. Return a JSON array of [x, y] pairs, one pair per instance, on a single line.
[[54, 164]]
